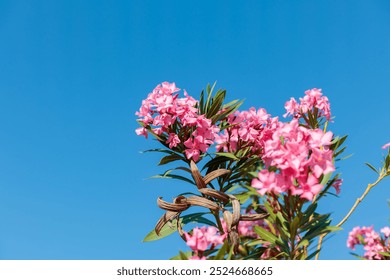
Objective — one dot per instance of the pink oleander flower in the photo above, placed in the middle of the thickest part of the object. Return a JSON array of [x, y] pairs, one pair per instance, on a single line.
[[176, 120], [313, 99], [386, 231], [269, 182], [246, 129], [372, 243], [337, 184], [300, 155], [142, 131], [173, 140], [386, 146], [203, 237]]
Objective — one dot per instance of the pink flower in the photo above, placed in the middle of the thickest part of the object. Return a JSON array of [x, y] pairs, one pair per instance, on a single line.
[[173, 140], [313, 99], [203, 237], [268, 182], [176, 120], [246, 129], [386, 145], [142, 131], [371, 241], [386, 232], [337, 184], [300, 155], [291, 107], [308, 188], [353, 238]]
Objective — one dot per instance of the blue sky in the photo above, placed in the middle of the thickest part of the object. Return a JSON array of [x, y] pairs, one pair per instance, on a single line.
[[72, 74]]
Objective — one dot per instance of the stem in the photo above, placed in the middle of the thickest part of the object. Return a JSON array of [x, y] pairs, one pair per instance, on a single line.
[[369, 187], [217, 219], [353, 208]]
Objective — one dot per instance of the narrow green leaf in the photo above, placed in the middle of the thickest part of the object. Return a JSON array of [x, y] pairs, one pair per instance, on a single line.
[[294, 226], [172, 176], [386, 254], [216, 104], [357, 256], [197, 218], [372, 167], [183, 256], [222, 251], [216, 161], [209, 95], [170, 158], [339, 152], [303, 242], [326, 178], [208, 88], [312, 255], [228, 155], [243, 197], [160, 150], [178, 257], [256, 254], [167, 229], [265, 234], [256, 242], [387, 161], [201, 103], [333, 228]]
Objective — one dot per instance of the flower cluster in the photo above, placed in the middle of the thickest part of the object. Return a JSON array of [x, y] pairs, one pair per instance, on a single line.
[[176, 121], [246, 129], [202, 239], [374, 245], [313, 99], [298, 157]]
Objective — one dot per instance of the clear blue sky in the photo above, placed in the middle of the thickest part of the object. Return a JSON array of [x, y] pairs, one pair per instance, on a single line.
[[73, 73]]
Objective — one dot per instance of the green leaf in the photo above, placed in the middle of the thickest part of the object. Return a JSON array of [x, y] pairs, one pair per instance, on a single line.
[[386, 254], [303, 242], [181, 255], [201, 103], [228, 155], [312, 255], [332, 228], [243, 197], [166, 230], [358, 257], [228, 109], [294, 226], [256, 254], [209, 95], [222, 251], [256, 242], [216, 104], [372, 167], [217, 161], [326, 178], [197, 218], [160, 150], [387, 161], [170, 158], [265, 234], [172, 176], [336, 154]]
